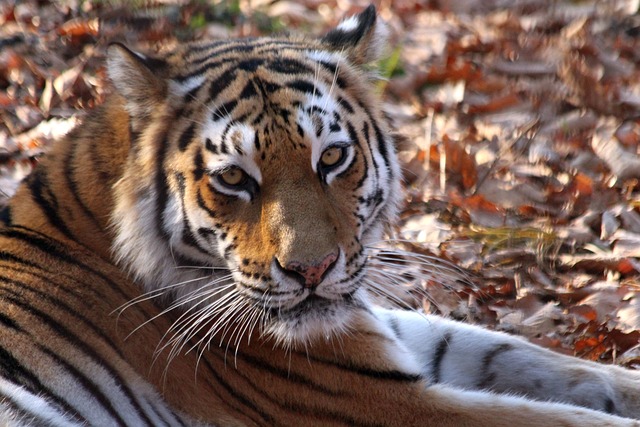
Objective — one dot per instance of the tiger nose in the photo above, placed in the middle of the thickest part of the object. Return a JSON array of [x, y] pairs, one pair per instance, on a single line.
[[310, 275]]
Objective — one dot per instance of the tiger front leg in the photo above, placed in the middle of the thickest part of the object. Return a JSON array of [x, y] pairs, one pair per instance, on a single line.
[[474, 358]]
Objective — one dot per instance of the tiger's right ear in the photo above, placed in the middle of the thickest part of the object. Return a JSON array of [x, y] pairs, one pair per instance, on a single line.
[[138, 79], [362, 37]]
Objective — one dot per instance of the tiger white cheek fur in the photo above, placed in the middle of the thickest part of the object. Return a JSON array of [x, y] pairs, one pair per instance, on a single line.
[[215, 219]]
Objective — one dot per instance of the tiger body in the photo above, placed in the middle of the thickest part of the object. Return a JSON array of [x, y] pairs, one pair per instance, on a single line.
[[195, 253]]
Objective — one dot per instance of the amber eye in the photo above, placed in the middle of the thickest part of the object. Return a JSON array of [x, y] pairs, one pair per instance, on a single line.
[[233, 176], [332, 156]]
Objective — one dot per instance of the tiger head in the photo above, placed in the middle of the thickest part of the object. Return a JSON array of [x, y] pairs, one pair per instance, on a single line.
[[259, 172]]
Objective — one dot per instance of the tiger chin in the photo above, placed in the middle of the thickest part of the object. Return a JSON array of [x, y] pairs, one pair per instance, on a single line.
[[215, 217]]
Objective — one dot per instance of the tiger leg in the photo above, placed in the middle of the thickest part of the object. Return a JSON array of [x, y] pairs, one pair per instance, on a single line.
[[473, 358]]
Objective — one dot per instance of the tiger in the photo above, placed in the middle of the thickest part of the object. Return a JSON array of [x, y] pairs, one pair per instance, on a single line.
[[197, 252]]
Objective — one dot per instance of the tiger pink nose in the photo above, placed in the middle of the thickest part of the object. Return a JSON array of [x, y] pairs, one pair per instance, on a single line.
[[311, 275]]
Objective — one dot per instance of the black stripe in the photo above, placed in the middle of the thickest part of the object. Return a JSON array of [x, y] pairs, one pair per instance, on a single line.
[[223, 145], [210, 44], [209, 145], [159, 414], [53, 248], [224, 110], [338, 37], [186, 137], [304, 86], [382, 146], [222, 82], [203, 205], [389, 375], [38, 184], [315, 109], [345, 104], [310, 409], [486, 377], [353, 136], [190, 96], [438, 356], [198, 166], [47, 277], [374, 164], [202, 64], [26, 417], [287, 373], [42, 296], [223, 137], [333, 70], [250, 65], [213, 59], [82, 346], [82, 381], [8, 322], [188, 237], [267, 88], [162, 188], [5, 215], [249, 90], [207, 234], [256, 140], [609, 406], [288, 66], [265, 418], [6, 256], [13, 371]]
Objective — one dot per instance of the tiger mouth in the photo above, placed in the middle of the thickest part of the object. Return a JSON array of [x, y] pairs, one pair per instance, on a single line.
[[314, 305]]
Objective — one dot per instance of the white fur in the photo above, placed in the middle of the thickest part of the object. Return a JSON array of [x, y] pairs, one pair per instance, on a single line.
[[349, 24], [246, 161], [182, 88], [521, 369], [31, 402]]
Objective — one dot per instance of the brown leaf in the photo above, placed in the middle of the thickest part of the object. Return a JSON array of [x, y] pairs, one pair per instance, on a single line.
[[79, 27], [457, 160], [585, 311], [591, 347], [498, 103]]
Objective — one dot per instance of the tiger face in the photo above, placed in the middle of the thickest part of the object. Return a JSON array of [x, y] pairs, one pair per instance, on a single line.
[[260, 171]]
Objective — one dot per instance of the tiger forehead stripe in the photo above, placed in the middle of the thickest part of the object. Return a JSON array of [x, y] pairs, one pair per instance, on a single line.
[[223, 54], [231, 143]]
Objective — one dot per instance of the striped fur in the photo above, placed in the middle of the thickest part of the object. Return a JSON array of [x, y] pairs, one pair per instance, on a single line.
[[195, 253]]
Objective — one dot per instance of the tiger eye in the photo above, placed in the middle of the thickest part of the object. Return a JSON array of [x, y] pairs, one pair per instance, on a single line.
[[233, 176], [331, 156]]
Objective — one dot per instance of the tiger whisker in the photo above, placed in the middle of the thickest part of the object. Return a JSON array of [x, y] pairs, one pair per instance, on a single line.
[[380, 291], [159, 291], [189, 321], [185, 299], [186, 322]]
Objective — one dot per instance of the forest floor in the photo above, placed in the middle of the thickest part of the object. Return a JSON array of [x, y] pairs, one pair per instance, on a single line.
[[521, 151]]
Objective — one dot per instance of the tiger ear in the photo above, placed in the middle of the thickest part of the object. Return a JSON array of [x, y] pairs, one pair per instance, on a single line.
[[361, 37], [138, 79]]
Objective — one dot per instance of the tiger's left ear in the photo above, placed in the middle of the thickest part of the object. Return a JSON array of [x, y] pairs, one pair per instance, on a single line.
[[361, 37], [139, 79]]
